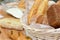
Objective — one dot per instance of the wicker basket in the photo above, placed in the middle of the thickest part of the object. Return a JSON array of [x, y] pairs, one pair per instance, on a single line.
[[40, 33]]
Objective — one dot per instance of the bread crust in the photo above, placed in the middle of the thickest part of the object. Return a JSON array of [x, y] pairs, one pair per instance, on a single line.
[[42, 10], [11, 23], [33, 10]]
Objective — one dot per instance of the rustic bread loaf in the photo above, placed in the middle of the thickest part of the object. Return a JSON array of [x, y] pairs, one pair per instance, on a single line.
[[11, 23], [53, 15]]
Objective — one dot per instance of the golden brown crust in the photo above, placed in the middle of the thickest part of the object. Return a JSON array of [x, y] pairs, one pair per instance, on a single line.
[[33, 9], [15, 35], [11, 23], [3, 35], [53, 16], [42, 10], [11, 34]]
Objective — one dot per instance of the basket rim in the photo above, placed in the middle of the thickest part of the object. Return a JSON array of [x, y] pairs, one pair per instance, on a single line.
[[25, 26]]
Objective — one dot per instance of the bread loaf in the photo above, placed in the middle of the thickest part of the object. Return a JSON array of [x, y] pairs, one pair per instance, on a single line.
[[42, 10], [53, 15], [33, 10], [11, 23]]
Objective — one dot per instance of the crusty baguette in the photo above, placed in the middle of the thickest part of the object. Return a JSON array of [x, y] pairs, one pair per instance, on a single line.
[[33, 10], [11, 23], [42, 10]]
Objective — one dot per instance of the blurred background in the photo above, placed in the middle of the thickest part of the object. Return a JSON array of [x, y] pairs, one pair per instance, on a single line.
[[16, 0], [7, 1]]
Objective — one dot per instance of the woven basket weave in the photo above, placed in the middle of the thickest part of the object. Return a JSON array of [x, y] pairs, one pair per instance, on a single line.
[[40, 33]]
